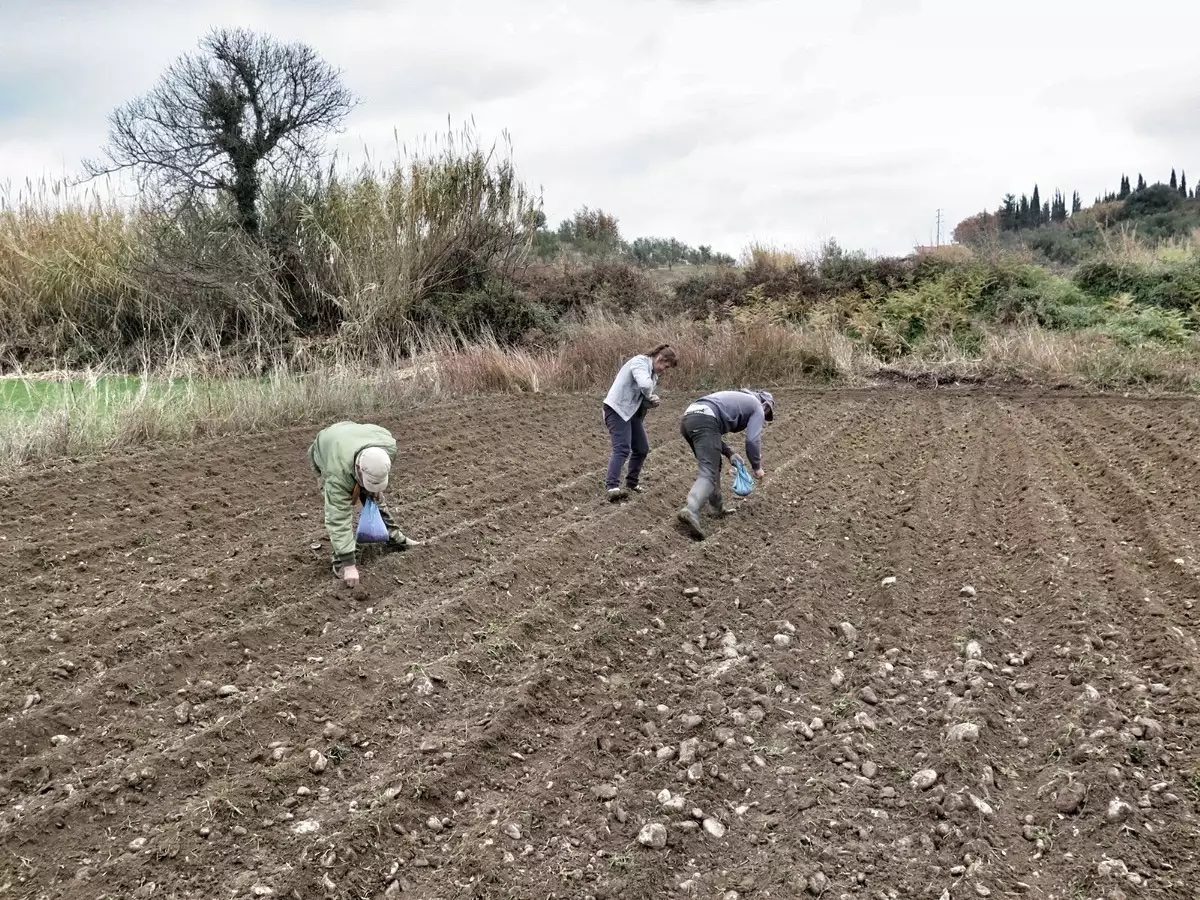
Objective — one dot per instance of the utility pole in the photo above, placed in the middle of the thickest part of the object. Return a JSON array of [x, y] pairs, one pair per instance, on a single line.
[[939, 228]]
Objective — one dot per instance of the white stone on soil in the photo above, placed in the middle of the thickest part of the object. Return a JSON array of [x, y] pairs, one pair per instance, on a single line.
[[653, 835], [1118, 810], [713, 828], [924, 779], [965, 733]]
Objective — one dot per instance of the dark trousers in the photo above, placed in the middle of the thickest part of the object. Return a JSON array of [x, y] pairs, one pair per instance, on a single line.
[[629, 444], [703, 434]]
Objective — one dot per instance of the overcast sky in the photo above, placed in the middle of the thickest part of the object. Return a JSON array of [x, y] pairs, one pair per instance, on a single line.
[[714, 121]]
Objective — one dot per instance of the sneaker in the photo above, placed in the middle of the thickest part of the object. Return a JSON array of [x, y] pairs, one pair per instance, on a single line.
[[724, 510], [635, 489], [615, 494], [691, 522]]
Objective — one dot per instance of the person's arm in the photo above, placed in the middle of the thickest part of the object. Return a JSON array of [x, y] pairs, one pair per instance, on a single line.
[[643, 376], [339, 516], [754, 431]]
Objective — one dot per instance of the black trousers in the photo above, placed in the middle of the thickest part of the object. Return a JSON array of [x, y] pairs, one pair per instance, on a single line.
[[704, 436]]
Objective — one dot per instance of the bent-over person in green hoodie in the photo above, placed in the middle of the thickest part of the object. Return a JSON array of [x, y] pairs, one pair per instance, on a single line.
[[353, 462]]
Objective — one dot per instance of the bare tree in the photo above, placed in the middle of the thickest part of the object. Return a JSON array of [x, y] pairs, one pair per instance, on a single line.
[[219, 120]]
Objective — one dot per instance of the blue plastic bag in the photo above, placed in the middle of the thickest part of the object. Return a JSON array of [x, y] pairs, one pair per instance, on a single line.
[[371, 529], [743, 481]]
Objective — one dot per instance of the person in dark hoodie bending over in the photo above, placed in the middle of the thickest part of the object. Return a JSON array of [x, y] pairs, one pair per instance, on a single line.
[[704, 426]]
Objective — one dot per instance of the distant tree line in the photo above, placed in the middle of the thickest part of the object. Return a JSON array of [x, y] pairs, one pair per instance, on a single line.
[[1179, 185], [1029, 210], [596, 234]]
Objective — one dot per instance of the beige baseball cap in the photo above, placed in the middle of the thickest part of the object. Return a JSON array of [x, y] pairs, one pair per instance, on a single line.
[[374, 466]]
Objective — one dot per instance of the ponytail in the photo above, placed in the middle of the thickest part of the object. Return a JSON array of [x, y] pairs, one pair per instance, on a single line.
[[665, 351]]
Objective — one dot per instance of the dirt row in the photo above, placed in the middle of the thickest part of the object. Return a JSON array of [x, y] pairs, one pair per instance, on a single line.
[[946, 650]]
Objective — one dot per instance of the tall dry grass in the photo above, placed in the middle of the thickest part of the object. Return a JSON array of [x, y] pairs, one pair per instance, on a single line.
[[712, 356], [88, 280], [1032, 355]]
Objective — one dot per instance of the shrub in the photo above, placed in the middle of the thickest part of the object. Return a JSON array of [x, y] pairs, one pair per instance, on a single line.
[[498, 310], [710, 293], [1102, 278], [1156, 198], [573, 290], [1133, 326]]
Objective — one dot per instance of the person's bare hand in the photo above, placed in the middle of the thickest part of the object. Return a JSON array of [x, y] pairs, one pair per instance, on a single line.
[[350, 576], [760, 474], [737, 460], [654, 399]]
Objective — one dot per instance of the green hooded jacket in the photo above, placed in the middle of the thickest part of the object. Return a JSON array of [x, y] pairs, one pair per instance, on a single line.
[[332, 455]]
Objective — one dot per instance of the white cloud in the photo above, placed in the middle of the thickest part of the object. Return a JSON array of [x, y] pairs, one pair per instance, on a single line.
[[712, 120]]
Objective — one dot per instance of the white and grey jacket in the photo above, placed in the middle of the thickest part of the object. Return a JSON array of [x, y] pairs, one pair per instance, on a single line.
[[635, 383]]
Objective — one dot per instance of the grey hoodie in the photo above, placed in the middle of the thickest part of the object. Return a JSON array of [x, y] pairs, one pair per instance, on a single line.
[[738, 411]]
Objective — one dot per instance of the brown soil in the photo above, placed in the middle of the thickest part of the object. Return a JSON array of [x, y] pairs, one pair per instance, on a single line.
[[516, 679]]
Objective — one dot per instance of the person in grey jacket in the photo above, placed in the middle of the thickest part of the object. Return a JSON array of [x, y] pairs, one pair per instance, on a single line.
[[633, 392], [704, 426]]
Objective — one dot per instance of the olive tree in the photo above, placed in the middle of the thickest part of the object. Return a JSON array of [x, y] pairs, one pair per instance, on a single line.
[[219, 120]]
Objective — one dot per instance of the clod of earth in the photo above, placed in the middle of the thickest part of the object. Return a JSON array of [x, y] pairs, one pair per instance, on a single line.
[[1070, 797], [965, 733]]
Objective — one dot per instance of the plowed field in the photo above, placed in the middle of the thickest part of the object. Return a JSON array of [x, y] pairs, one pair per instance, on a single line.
[[993, 593]]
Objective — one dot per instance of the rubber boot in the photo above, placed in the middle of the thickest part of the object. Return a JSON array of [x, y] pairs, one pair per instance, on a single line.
[[398, 541], [720, 507], [689, 516]]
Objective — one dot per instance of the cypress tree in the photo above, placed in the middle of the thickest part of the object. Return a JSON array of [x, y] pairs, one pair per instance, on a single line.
[[1044, 219], [1141, 182], [1174, 181], [1058, 210], [1035, 208], [1008, 213], [1023, 213], [1124, 192], [1076, 203], [1183, 183]]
